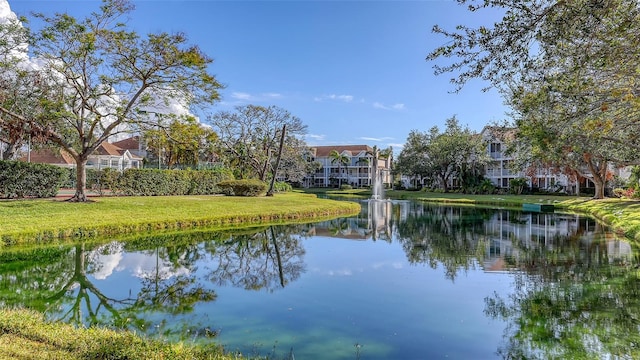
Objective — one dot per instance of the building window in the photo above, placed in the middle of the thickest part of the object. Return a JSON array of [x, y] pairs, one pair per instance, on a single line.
[[104, 162], [495, 147]]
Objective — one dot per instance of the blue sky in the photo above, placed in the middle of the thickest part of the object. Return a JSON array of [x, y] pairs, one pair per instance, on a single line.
[[353, 71]]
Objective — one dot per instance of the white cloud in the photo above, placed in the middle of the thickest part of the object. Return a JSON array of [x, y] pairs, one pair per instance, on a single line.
[[382, 106], [241, 96], [334, 97], [396, 145], [316, 136], [375, 139]]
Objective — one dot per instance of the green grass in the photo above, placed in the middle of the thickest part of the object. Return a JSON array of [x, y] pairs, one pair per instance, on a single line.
[[40, 221], [24, 334], [622, 215]]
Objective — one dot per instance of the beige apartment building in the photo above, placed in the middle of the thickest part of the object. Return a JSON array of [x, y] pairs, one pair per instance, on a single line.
[[357, 171]]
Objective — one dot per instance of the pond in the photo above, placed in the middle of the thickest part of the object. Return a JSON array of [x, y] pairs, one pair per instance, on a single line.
[[403, 280]]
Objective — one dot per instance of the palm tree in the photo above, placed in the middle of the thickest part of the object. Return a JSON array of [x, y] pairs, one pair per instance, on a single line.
[[341, 159]]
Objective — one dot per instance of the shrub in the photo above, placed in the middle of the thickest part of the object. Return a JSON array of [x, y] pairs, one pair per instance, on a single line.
[[629, 193], [101, 180], [19, 179], [517, 185], [205, 182], [281, 186], [345, 187], [244, 187]]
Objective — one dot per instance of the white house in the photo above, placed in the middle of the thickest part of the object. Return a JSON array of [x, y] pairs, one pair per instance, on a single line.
[[106, 156], [357, 172], [500, 171]]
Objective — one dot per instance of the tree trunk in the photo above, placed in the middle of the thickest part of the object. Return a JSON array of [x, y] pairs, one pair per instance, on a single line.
[[600, 185], [599, 173], [443, 180], [8, 153], [81, 181], [275, 171]]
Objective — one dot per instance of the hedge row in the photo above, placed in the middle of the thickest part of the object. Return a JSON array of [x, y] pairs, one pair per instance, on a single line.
[[154, 182], [244, 187], [20, 179]]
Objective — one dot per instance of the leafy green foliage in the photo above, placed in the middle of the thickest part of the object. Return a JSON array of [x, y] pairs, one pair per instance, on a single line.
[[183, 142], [569, 71], [281, 186], [19, 179], [244, 187], [439, 157], [518, 185], [98, 75]]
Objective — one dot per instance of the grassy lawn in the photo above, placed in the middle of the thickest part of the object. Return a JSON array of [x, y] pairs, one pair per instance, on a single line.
[[25, 335], [37, 221]]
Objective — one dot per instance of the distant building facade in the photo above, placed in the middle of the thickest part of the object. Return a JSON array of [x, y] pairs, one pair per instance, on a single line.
[[500, 170], [107, 155], [357, 172]]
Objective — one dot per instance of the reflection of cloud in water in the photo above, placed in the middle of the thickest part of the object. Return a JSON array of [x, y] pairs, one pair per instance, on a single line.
[[385, 264], [144, 266], [349, 272], [343, 272], [110, 258], [105, 264]]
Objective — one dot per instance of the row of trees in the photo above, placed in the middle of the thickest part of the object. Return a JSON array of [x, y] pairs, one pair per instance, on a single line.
[[569, 71], [439, 157], [76, 83]]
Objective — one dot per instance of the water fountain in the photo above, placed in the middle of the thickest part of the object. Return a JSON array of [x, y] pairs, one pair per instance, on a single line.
[[377, 187]]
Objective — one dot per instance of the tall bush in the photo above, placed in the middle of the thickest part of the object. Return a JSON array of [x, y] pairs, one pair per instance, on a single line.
[[154, 182], [205, 182], [19, 179], [244, 187]]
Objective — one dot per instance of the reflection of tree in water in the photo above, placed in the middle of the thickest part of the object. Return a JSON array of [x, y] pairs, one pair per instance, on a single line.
[[450, 236], [267, 259], [578, 302], [56, 281]]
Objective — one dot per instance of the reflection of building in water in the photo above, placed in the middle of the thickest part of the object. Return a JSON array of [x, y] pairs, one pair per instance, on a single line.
[[373, 222], [509, 234]]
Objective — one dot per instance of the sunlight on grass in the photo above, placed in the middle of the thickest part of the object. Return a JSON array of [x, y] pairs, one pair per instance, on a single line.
[[43, 220]]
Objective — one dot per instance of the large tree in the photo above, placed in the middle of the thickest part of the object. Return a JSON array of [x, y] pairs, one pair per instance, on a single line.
[[20, 88], [106, 74], [249, 138], [412, 160], [577, 59], [442, 156]]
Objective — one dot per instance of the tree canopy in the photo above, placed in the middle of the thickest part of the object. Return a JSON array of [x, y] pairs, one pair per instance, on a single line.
[[442, 156], [567, 68], [97, 75], [249, 139]]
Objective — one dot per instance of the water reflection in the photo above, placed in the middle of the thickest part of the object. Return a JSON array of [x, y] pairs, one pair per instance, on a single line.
[[574, 289]]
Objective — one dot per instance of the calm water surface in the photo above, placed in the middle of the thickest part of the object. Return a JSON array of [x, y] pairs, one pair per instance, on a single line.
[[402, 280]]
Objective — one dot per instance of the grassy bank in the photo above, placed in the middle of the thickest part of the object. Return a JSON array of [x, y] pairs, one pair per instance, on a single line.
[[38, 221], [25, 335]]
